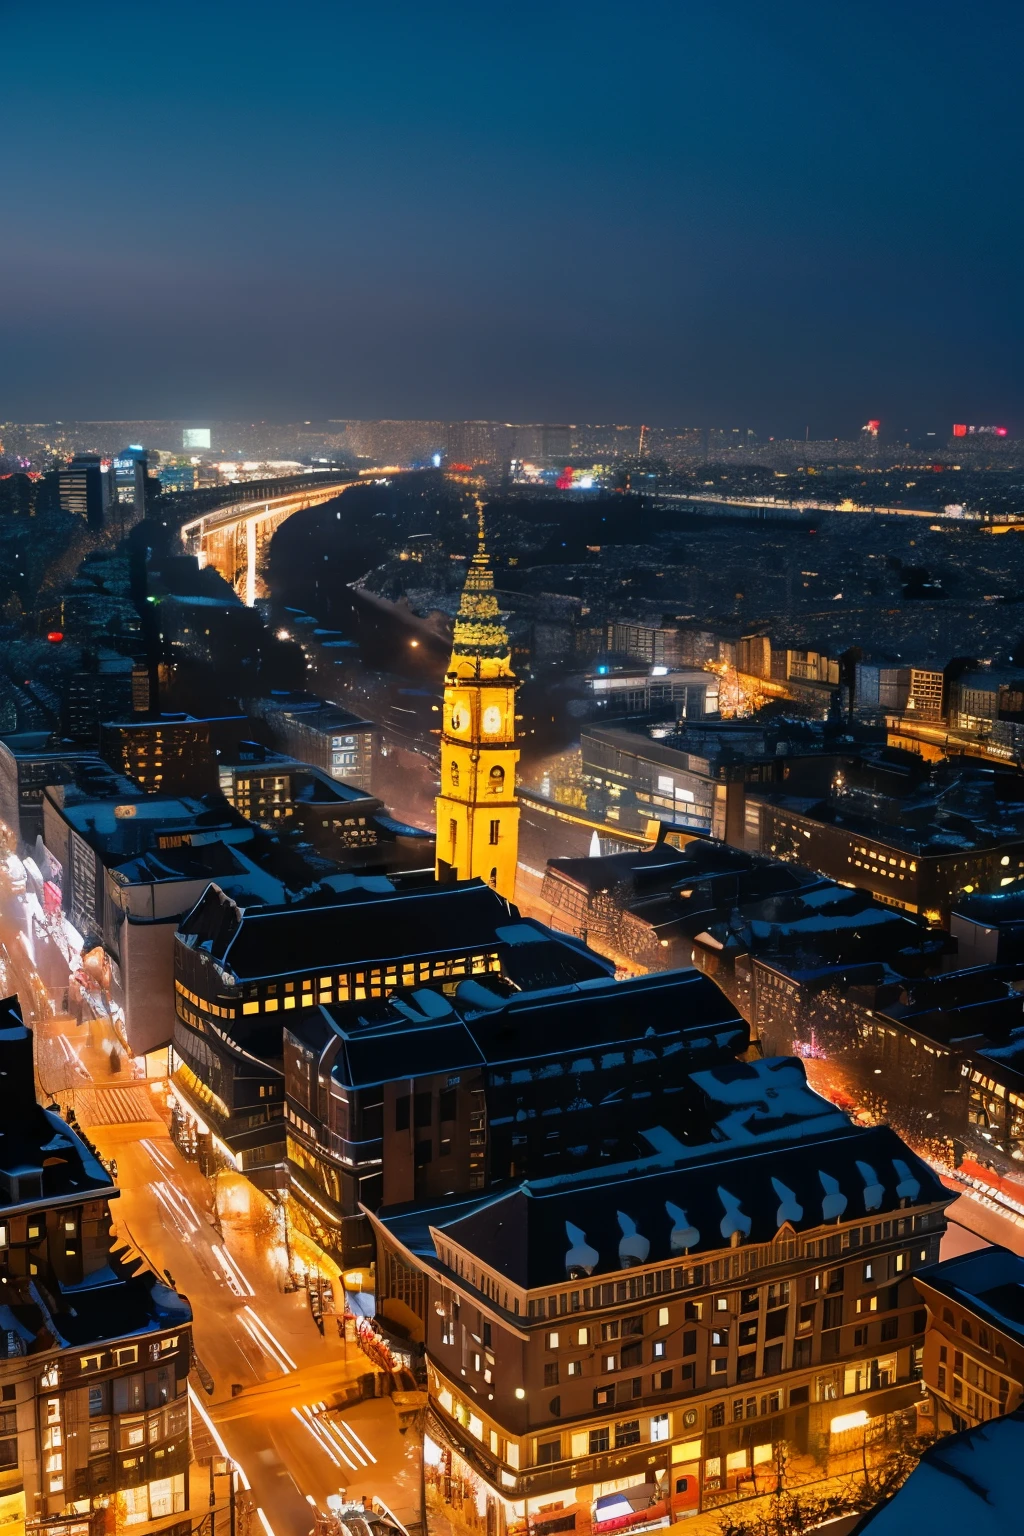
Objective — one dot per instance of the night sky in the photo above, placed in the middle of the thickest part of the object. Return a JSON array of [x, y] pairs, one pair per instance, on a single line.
[[774, 214]]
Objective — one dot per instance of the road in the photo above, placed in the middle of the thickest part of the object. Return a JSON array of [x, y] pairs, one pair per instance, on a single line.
[[770, 504], [973, 1212], [274, 1375], [280, 1405]]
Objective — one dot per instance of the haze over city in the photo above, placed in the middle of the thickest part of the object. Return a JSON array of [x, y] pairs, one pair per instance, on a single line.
[[511, 770], [785, 216]]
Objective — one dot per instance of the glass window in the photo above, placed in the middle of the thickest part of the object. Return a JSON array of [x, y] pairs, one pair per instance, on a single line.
[[659, 1426], [132, 1432]]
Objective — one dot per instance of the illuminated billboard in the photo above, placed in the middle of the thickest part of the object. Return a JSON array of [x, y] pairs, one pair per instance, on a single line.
[[195, 437]]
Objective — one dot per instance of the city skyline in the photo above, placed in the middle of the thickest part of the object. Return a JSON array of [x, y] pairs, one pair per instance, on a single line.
[[511, 770], [519, 217]]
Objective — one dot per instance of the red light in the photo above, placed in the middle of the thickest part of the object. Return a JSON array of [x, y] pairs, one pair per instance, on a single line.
[[874, 425], [564, 481], [1000, 431], [55, 636], [959, 429]]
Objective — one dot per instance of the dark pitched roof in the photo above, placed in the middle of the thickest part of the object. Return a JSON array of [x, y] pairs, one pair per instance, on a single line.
[[418, 1033], [990, 1282], [364, 926], [966, 1482], [770, 1161]]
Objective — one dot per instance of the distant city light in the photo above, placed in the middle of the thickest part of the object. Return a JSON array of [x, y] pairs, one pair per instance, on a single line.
[[55, 636], [436, 461]]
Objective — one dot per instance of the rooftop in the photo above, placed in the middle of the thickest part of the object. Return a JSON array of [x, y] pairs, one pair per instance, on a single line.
[[966, 1482], [950, 809], [770, 1154], [989, 1282], [418, 1031], [369, 921], [130, 825]]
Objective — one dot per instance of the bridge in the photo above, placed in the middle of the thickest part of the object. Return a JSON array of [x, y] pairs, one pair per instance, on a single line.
[[234, 534]]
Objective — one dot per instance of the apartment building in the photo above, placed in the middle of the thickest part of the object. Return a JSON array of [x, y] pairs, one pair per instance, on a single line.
[[622, 1348]]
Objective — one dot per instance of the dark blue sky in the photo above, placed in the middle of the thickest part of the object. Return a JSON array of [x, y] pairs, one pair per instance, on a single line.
[[774, 214]]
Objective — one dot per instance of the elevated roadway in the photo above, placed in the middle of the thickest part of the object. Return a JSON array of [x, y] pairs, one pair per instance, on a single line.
[[234, 536], [769, 505]]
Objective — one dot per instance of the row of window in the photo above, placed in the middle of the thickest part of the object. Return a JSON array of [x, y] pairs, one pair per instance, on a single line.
[[984, 1340], [717, 1271], [605, 1437]]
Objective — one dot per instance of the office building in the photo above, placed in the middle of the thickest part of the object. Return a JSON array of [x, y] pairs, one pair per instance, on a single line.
[[978, 699], [699, 778], [332, 739], [882, 689], [989, 930], [127, 866], [421, 1095], [339, 820], [82, 489], [29, 761], [94, 1352], [241, 970], [103, 689], [917, 836], [659, 646], [171, 754], [627, 692], [128, 476]]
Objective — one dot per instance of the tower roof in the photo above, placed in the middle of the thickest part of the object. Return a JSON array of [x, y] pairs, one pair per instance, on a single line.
[[479, 630]]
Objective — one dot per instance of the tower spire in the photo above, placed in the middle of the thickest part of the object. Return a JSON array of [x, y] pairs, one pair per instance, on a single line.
[[477, 809]]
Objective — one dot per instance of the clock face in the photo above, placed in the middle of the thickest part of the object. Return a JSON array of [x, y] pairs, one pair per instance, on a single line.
[[492, 719]]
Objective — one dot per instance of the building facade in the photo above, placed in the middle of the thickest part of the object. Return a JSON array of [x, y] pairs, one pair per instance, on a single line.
[[241, 973], [974, 1344], [94, 1358], [423, 1096], [621, 1351]]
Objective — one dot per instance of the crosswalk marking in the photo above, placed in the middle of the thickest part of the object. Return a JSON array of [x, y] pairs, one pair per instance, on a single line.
[[116, 1106]]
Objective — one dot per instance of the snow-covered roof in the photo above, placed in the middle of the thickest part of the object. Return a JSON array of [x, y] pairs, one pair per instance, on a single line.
[[968, 1482]]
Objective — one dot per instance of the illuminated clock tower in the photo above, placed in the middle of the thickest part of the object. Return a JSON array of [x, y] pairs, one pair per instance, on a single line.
[[477, 810]]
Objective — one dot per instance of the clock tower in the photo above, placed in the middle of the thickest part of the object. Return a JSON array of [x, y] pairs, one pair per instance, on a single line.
[[477, 810]]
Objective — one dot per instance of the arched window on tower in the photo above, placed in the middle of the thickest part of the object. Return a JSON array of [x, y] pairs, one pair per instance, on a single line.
[[496, 780], [494, 878]]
